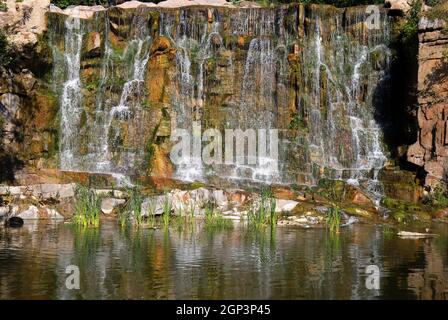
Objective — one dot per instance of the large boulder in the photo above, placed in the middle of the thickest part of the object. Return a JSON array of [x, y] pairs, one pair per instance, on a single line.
[[32, 213], [400, 5], [109, 204]]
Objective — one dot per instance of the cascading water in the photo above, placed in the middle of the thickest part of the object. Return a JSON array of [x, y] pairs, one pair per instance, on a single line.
[[71, 95], [312, 72]]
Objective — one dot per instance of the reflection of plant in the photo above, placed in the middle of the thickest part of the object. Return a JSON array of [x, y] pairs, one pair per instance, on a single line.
[[333, 219]]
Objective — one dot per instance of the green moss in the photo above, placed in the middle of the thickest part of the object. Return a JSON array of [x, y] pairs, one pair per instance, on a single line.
[[333, 190]]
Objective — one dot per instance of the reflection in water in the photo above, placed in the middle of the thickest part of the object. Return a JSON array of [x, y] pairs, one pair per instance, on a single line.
[[192, 262]]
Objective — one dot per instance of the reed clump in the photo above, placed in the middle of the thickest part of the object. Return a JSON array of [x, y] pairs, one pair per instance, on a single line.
[[87, 207], [263, 213]]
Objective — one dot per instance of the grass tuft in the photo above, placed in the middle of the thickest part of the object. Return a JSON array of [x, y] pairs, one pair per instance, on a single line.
[[87, 207]]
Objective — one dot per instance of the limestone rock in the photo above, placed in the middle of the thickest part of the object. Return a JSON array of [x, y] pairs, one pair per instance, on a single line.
[[285, 205], [54, 215], [184, 3], [32, 213], [400, 5], [359, 198], [25, 21], [109, 204], [160, 44], [431, 149], [80, 12], [93, 44], [4, 211], [54, 190], [135, 4]]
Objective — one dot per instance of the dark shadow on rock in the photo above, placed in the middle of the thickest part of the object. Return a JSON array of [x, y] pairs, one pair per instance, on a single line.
[[439, 74], [8, 166], [395, 101]]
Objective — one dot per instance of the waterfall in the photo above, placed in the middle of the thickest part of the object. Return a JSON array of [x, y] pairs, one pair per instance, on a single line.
[[71, 95], [312, 74]]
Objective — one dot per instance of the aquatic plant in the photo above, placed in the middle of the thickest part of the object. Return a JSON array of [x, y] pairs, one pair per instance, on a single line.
[[167, 207], [151, 219], [263, 213], [213, 219], [133, 208], [87, 207], [333, 219]]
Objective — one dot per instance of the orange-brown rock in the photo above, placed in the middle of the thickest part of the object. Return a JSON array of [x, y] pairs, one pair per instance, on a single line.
[[431, 149], [160, 44], [161, 165]]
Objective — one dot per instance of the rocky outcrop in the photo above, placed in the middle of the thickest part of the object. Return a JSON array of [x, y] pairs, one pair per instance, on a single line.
[[402, 6], [431, 149], [24, 21], [43, 201]]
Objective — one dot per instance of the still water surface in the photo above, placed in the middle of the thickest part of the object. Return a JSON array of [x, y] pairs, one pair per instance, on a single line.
[[200, 263]]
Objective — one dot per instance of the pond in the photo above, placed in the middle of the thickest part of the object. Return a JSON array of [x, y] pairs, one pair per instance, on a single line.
[[196, 262]]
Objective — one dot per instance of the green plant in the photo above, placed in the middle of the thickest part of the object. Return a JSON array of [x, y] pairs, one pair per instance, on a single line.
[[215, 220], [6, 51], [133, 208], [167, 207], [410, 28], [87, 207], [3, 6], [151, 219], [263, 213], [438, 197], [439, 10], [333, 219]]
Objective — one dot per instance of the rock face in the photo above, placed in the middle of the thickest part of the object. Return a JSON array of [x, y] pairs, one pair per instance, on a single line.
[[399, 5], [126, 78], [25, 21], [28, 109], [44, 201], [431, 149]]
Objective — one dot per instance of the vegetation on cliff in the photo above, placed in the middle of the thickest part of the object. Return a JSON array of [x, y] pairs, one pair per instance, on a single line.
[[337, 3], [6, 52], [439, 10]]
